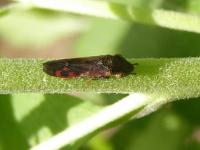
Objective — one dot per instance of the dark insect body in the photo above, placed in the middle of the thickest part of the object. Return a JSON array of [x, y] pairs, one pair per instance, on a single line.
[[93, 67]]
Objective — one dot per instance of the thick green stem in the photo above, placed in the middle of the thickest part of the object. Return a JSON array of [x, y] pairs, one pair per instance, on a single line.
[[173, 77]]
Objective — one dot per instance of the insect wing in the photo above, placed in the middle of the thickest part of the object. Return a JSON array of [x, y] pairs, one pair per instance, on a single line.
[[69, 68], [94, 67]]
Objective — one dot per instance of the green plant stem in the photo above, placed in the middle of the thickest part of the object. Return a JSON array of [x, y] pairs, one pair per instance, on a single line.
[[165, 80], [159, 17], [173, 77], [126, 107]]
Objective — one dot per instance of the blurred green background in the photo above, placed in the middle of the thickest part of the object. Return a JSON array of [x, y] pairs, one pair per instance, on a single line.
[[27, 119]]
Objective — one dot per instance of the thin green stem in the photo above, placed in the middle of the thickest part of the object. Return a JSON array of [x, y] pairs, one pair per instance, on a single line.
[[159, 17], [126, 107]]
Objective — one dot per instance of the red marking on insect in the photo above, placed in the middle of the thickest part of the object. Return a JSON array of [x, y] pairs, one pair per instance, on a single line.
[[94, 67], [72, 74], [65, 68], [58, 73]]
